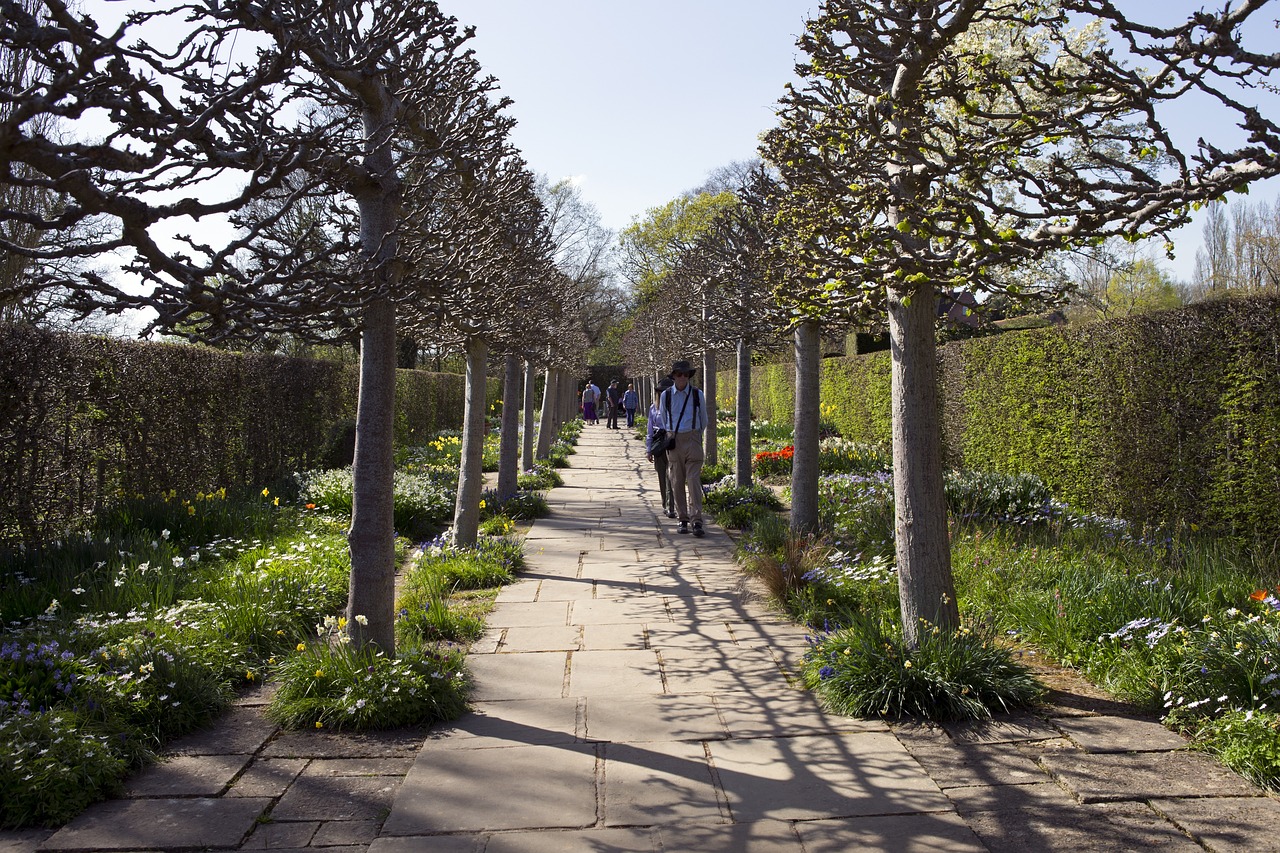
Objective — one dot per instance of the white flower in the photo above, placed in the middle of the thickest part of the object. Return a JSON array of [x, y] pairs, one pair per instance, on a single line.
[[164, 534], [78, 590], [362, 620]]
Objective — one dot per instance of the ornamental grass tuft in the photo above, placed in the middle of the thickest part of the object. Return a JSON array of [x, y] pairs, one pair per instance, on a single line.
[[865, 670]]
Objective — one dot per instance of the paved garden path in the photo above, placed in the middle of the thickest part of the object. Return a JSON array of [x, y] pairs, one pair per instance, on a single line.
[[631, 696]]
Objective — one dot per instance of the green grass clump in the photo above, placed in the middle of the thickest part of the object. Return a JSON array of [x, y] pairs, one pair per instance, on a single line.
[[424, 497], [865, 670], [1246, 741], [333, 685]]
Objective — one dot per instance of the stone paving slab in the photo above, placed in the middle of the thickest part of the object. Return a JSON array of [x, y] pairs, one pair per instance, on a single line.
[[575, 589], [785, 714], [633, 719], [614, 673], [337, 833], [281, 836], [916, 833], [325, 797], [160, 824], [524, 675], [513, 723], [623, 636], [612, 611], [1227, 824], [766, 836], [546, 638], [812, 777], [188, 776], [389, 766], [1010, 728], [317, 744], [1119, 734], [954, 765], [434, 844], [268, 777], [1114, 828], [519, 614], [675, 639], [637, 840], [659, 783], [522, 591], [731, 670], [523, 787], [998, 798], [22, 841], [1144, 775], [240, 731]]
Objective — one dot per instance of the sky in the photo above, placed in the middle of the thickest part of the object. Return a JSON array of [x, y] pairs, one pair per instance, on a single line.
[[639, 101]]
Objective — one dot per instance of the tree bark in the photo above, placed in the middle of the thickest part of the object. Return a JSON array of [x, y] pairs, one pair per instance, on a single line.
[[547, 414], [526, 437], [466, 516], [509, 437], [742, 425], [925, 584], [371, 538], [804, 464], [711, 444]]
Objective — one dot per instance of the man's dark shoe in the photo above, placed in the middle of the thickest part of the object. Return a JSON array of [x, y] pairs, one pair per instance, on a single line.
[[697, 528], [684, 527], [671, 513]]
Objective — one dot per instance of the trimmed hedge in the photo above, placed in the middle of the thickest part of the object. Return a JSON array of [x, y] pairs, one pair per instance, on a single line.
[[84, 419], [1162, 418]]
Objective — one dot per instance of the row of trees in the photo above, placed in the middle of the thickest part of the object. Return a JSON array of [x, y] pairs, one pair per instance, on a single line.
[[333, 171], [949, 144]]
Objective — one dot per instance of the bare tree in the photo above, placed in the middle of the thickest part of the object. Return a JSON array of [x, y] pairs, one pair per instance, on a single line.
[[933, 142], [346, 95]]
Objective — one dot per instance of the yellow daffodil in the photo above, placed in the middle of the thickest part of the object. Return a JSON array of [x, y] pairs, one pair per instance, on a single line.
[[319, 725], [266, 492], [300, 647]]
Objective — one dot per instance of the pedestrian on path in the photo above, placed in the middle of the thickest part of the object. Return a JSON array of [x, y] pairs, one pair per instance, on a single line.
[[655, 447], [613, 400], [630, 402], [684, 411], [589, 404]]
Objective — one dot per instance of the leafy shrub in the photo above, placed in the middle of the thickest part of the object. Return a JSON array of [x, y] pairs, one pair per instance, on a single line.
[[865, 670], [1004, 497], [739, 508], [1246, 741], [424, 500], [53, 765], [543, 476], [425, 612], [334, 685], [857, 511], [715, 473], [523, 505]]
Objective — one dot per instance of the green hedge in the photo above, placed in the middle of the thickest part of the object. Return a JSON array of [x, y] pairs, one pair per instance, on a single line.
[[1162, 418], [88, 418]]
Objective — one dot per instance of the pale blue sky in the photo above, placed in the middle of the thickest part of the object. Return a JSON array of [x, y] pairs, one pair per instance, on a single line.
[[640, 100]]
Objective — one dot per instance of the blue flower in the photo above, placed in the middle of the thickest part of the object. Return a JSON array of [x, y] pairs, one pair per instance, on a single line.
[[826, 672]]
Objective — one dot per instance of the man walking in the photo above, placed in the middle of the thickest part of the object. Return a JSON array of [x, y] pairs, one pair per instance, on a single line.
[[613, 399], [684, 412]]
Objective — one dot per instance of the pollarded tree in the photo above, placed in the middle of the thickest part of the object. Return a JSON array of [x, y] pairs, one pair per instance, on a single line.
[[934, 142], [743, 315], [349, 95], [493, 273]]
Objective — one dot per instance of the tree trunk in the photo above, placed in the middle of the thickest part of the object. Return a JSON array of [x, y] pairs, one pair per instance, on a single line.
[[466, 516], [371, 589], [711, 444], [742, 426], [804, 464], [545, 416], [509, 437], [371, 538], [925, 584], [526, 437]]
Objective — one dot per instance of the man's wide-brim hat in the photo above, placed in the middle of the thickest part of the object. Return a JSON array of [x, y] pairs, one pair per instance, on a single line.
[[682, 366]]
